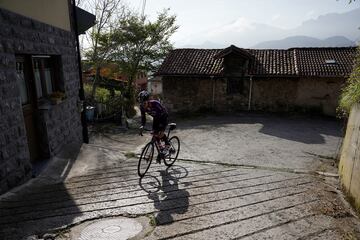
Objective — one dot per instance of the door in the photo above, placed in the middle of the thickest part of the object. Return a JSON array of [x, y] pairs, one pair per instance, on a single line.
[[29, 104]]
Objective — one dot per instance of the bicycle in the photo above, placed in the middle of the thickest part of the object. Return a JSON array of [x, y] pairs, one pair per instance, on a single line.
[[147, 153]]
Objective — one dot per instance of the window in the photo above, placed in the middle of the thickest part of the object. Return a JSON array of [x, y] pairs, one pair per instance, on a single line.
[[235, 85], [38, 76], [46, 81], [20, 79]]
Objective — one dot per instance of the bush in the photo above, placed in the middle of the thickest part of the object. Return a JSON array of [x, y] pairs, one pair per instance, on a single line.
[[351, 92], [112, 104]]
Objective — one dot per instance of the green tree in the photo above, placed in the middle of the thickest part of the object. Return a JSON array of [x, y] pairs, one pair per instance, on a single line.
[[107, 13], [139, 45]]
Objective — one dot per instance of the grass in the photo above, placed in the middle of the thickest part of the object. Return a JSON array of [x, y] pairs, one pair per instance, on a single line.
[[351, 92], [130, 154], [152, 221]]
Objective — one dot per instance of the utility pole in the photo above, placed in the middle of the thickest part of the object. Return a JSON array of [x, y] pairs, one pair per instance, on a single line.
[[143, 8]]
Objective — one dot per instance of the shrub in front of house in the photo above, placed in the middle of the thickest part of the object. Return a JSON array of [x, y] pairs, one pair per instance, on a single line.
[[107, 103]]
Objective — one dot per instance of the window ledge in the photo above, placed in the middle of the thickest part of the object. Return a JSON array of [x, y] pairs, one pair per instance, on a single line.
[[48, 104], [44, 106]]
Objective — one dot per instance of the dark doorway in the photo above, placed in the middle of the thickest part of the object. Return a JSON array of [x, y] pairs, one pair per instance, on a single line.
[[29, 104]]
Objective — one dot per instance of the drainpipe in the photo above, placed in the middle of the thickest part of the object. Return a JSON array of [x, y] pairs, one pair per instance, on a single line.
[[250, 93], [81, 90], [213, 92]]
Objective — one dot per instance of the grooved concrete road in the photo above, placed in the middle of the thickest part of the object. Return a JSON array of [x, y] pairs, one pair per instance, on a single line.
[[187, 201]]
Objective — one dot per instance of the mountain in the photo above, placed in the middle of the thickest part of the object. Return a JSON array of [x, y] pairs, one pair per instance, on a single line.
[[314, 32], [342, 24], [304, 41]]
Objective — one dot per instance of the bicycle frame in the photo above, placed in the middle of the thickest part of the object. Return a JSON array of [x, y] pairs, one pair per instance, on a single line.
[[166, 157], [154, 140]]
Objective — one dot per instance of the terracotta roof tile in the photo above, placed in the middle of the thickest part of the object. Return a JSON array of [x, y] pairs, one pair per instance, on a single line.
[[313, 61], [272, 62], [291, 62], [191, 62]]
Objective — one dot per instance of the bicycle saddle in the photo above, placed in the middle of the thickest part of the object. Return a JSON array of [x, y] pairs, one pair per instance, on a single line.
[[172, 126]]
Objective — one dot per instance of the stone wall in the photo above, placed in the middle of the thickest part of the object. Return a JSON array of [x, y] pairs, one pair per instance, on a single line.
[[319, 94], [59, 124], [270, 94], [191, 94], [273, 94], [349, 167]]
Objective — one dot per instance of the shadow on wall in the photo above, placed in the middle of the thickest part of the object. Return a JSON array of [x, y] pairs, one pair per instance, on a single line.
[[41, 205], [167, 197], [305, 129]]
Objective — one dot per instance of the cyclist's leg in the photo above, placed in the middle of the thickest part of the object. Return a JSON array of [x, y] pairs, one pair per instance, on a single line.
[[163, 122], [156, 134], [156, 129]]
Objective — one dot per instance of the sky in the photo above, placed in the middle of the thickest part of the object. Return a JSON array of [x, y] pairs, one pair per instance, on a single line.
[[196, 18]]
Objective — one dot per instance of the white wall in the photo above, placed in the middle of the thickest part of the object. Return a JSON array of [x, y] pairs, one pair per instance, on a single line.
[[52, 12]]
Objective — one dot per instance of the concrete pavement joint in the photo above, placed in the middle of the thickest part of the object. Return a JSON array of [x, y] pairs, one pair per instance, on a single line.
[[234, 221], [134, 204], [111, 188], [239, 195], [241, 206], [51, 187], [314, 234], [136, 190], [274, 226], [288, 170]]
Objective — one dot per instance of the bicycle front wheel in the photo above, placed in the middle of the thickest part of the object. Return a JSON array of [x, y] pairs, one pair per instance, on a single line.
[[145, 159], [173, 151]]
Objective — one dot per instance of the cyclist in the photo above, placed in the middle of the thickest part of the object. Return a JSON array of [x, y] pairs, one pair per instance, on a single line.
[[160, 118]]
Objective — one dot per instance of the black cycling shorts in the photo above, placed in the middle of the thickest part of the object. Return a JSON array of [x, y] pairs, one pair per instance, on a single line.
[[159, 124]]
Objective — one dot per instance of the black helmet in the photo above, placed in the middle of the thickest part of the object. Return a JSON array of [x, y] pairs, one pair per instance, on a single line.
[[143, 96]]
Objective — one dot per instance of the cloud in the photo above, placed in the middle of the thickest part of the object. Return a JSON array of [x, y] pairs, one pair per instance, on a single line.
[[239, 25], [275, 17], [310, 14]]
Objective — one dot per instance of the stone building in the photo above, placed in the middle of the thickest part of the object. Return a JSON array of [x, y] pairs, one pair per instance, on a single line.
[[297, 79], [39, 85]]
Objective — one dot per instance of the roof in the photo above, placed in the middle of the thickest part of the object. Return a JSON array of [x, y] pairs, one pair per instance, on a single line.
[[325, 61], [264, 62], [85, 20], [233, 49], [192, 62]]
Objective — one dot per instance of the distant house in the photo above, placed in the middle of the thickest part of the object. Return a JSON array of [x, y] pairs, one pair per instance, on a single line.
[[109, 77], [301, 79], [154, 86], [40, 108], [112, 78]]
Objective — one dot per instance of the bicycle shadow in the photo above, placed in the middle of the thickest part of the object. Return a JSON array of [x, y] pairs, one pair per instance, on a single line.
[[169, 199]]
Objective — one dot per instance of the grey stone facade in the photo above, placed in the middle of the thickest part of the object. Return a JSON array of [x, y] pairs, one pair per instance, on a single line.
[[273, 94], [275, 80], [58, 124]]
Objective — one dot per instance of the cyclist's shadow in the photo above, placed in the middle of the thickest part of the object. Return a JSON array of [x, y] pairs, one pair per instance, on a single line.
[[170, 200]]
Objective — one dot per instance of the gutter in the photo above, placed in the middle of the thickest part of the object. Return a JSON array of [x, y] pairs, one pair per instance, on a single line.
[[81, 90], [213, 91], [250, 92]]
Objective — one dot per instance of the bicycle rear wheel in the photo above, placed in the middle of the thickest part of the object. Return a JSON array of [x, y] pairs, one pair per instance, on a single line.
[[173, 152], [145, 159]]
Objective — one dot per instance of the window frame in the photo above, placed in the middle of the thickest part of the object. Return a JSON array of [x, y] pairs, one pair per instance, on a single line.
[[22, 59], [41, 61]]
